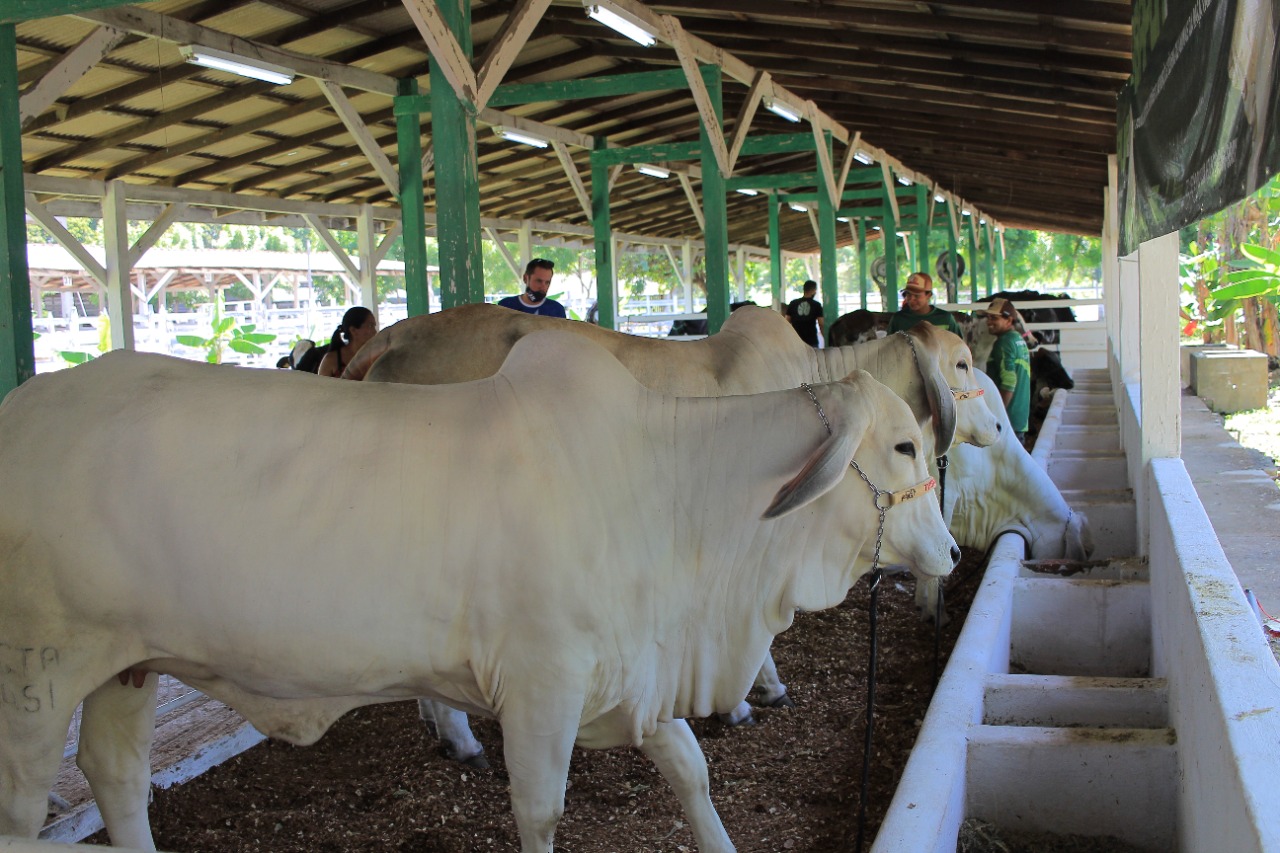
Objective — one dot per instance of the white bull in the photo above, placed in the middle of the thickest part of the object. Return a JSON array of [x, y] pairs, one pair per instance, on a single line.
[[150, 538], [756, 350], [1001, 488]]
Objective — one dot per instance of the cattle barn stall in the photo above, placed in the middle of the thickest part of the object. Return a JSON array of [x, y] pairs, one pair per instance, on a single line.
[[1003, 111]]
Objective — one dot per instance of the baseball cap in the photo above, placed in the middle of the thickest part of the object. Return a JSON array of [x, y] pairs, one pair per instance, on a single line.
[[1002, 307], [919, 282]]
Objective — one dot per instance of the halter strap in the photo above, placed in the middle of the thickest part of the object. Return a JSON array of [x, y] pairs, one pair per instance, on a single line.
[[889, 498]]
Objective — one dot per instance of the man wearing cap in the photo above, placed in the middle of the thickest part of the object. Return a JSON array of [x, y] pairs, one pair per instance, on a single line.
[[805, 315], [537, 280], [1009, 364], [916, 307]]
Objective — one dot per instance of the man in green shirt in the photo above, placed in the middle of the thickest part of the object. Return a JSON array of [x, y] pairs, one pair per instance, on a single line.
[[916, 307], [1009, 365]]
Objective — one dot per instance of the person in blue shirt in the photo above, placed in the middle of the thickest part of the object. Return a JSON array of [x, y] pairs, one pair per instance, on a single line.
[[537, 280]]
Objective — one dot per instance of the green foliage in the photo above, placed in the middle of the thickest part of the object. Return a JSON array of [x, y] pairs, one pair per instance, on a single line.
[[226, 334]]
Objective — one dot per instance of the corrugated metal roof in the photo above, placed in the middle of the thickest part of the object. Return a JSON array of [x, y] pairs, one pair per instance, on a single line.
[[1009, 104]]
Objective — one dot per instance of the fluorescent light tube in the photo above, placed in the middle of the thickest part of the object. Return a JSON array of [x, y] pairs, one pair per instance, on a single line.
[[621, 22], [233, 64], [653, 171], [522, 137], [906, 182], [842, 219], [780, 109], [864, 158], [747, 191], [939, 199], [798, 208], [966, 213]]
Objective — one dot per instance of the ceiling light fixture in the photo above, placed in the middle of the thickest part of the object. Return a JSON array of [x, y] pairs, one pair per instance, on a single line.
[[798, 208], [967, 213], [906, 182], [779, 108], [864, 158], [939, 199], [875, 227], [747, 191], [521, 137], [653, 171], [842, 219], [234, 64], [621, 21]]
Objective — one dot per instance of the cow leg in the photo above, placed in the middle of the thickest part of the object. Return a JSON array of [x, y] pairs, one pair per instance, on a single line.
[[450, 726], [675, 752], [537, 742], [116, 728], [773, 693], [32, 736]]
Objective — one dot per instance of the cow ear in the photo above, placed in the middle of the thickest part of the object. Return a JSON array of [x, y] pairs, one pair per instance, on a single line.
[[821, 472], [942, 403]]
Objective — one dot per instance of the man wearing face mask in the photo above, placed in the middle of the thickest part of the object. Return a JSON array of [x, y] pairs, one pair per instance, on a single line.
[[537, 279]]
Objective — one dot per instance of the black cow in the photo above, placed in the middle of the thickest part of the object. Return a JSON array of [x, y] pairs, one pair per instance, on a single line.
[[699, 327], [1039, 314]]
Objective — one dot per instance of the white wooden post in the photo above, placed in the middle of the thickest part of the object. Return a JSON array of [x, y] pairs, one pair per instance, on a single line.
[[686, 260], [115, 236], [525, 242], [365, 245], [1161, 389]]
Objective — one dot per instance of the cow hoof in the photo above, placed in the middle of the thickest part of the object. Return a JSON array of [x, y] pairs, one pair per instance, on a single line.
[[476, 762], [783, 701]]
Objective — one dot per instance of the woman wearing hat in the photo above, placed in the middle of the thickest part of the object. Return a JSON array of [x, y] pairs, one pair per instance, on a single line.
[[916, 308]]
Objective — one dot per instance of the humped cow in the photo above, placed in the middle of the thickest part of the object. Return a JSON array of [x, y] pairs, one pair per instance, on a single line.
[[756, 350], [149, 540], [1001, 488]]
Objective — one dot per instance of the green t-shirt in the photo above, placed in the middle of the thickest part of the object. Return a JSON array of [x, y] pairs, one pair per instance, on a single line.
[[904, 319], [1009, 366]]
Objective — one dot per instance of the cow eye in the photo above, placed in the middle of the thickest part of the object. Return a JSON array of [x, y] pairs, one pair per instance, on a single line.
[[962, 365], [906, 448]]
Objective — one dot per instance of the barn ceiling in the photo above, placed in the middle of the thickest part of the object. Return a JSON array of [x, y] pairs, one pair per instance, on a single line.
[[1009, 105]]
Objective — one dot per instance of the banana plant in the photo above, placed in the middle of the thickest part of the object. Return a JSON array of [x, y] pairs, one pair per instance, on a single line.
[[227, 334]]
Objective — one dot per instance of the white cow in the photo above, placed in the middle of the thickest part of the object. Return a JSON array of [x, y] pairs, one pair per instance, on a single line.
[[756, 350], [1001, 488], [153, 535]]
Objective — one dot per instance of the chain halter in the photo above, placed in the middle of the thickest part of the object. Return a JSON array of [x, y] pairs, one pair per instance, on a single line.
[[890, 498]]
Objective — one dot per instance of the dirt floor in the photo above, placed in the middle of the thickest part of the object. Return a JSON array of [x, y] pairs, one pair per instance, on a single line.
[[376, 781]]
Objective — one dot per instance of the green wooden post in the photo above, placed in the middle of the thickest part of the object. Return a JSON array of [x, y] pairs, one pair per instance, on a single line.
[[973, 263], [412, 202], [17, 352], [862, 261], [890, 265], [715, 214], [606, 295], [453, 135], [775, 251], [953, 289], [827, 245], [989, 265], [999, 241], [922, 229]]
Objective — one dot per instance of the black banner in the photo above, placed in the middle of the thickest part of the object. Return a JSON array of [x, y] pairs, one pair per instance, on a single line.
[[1197, 123]]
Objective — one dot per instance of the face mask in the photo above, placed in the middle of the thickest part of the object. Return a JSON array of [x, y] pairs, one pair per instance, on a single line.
[[535, 296]]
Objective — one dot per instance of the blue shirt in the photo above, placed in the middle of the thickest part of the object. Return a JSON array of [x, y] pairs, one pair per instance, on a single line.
[[547, 307]]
